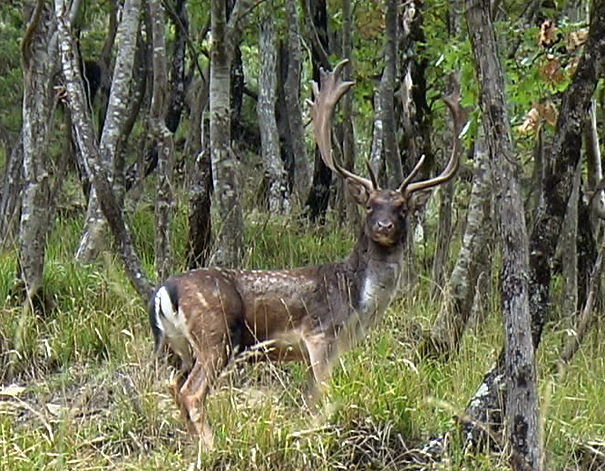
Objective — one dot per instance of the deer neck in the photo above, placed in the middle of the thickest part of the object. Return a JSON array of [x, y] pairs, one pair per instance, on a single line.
[[376, 270]]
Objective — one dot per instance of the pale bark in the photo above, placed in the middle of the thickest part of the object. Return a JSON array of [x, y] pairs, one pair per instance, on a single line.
[[163, 138], [229, 243], [376, 154], [302, 171], [449, 326], [593, 159], [522, 424], [113, 128], [87, 145], [568, 248], [275, 173], [39, 56]]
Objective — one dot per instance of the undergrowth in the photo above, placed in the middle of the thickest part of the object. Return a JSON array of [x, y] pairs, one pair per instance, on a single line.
[[80, 389]]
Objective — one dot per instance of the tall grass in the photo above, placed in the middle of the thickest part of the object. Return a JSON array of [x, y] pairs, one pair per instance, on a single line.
[[84, 393]]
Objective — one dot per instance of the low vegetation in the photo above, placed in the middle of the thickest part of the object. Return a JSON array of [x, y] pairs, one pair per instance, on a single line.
[[81, 391]]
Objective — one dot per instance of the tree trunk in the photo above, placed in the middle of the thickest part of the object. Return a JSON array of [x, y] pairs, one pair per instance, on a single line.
[[89, 148], [377, 163], [229, 242], [178, 80], [587, 316], [415, 114], [560, 169], [113, 128], [347, 211], [39, 56], [446, 192], [486, 406], [200, 184], [163, 137], [387, 94], [449, 326], [275, 173], [317, 23], [296, 134], [522, 424], [568, 245], [10, 203]]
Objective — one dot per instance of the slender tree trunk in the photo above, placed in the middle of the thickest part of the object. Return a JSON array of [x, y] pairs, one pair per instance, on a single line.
[[449, 326], [113, 128], [275, 173], [39, 56], [376, 155], [446, 192], [178, 80], [10, 203], [229, 243], [593, 154], [568, 245], [200, 186], [522, 424], [347, 205], [87, 145], [296, 134], [587, 316], [163, 137], [317, 24], [415, 115], [387, 94]]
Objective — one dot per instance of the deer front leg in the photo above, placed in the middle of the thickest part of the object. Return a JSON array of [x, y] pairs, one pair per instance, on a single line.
[[322, 352]]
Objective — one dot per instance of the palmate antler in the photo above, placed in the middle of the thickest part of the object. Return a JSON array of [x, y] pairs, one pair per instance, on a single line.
[[332, 89], [327, 96]]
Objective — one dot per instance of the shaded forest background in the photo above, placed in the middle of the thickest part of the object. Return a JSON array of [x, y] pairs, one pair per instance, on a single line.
[[143, 138]]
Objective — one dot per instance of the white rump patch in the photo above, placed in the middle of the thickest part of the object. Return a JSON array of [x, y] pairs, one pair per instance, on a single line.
[[172, 324]]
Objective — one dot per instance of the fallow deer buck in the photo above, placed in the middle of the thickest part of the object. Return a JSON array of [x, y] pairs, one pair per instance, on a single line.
[[309, 314]]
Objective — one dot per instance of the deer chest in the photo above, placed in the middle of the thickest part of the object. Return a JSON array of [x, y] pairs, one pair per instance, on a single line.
[[377, 289]]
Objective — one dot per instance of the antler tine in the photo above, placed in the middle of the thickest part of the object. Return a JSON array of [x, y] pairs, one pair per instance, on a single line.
[[332, 89], [413, 173], [452, 102]]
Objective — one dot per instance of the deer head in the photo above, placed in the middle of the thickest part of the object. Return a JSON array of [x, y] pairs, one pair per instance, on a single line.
[[386, 209]]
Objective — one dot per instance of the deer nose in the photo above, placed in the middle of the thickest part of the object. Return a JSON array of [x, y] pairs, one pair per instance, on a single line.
[[384, 226]]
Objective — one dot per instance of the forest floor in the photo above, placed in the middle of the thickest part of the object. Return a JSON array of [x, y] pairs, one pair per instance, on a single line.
[[81, 391]]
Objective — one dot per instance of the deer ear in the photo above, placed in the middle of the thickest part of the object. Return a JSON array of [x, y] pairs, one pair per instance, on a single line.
[[419, 199], [359, 191]]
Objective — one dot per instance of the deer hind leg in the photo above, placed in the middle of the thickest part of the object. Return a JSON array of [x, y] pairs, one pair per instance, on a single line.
[[175, 387], [191, 396]]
